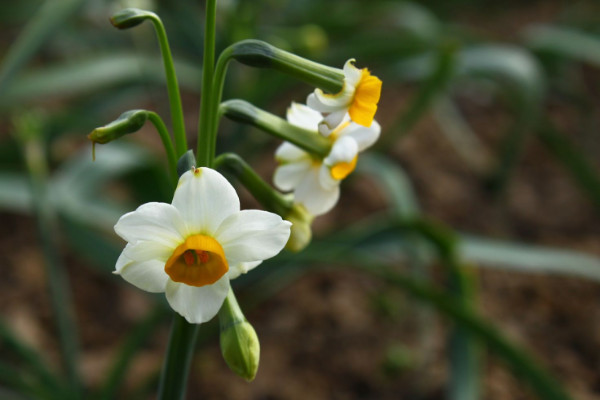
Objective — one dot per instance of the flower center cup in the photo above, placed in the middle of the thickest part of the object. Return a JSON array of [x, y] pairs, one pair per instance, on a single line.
[[342, 169], [198, 261], [364, 105]]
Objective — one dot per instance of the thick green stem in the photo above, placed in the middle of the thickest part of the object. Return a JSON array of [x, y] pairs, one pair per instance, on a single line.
[[176, 366], [182, 341], [172, 87], [166, 141], [205, 151]]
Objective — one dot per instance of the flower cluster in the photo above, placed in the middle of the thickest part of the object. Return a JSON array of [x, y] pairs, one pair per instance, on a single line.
[[347, 120]]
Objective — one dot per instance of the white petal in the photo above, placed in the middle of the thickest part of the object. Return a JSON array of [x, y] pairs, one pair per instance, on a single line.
[[148, 250], [326, 180], [327, 103], [352, 74], [316, 199], [157, 222], [303, 116], [204, 199], [344, 150], [287, 152], [332, 121], [241, 268], [252, 235], [288, 176], [365, 137], [148, 275], [197, 304]]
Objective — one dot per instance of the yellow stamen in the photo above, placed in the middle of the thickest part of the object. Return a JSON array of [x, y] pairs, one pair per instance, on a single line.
[[366, 96], [198, 261], [342, 169]]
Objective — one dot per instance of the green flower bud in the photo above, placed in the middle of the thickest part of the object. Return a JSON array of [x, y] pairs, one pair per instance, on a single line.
[[130, 17], [260, 54], [301, 232], [241, 349], [238, 339], [128, 122]]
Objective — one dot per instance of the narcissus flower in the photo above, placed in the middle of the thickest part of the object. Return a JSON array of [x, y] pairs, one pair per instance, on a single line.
[[358, 98], [191, 248], [315, 181]]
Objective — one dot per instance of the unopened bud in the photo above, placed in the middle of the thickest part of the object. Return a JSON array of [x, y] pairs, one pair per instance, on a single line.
[[128, 122], [130, 17], [238, 339]]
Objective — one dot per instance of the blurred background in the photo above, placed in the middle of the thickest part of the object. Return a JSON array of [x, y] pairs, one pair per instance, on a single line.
[[490, 132]]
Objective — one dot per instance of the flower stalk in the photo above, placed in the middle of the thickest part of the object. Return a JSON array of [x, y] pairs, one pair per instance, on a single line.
[[206, 140], [131, 17], [182, 339]]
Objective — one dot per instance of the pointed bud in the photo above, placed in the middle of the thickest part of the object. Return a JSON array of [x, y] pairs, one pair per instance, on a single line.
[[239, 342], [128, 122], [301, 232], [260, 54], [130, 17]]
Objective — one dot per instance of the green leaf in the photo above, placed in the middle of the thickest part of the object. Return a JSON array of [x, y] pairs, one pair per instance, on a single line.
[[526, 258], [563, 42], [48, 19], [15, 193], [93, 74]]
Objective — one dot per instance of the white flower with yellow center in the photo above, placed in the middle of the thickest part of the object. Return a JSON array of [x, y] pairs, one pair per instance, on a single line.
[[358, 98], [191, 248], [315, 181]]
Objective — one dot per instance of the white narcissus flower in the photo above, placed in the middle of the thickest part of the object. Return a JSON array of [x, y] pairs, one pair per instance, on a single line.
[[359, 97], [315, 182], [191, 248]]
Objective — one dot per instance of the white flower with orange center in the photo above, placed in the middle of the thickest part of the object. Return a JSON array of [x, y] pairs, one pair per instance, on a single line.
[[316, 181], [359, 97], [191, 249]]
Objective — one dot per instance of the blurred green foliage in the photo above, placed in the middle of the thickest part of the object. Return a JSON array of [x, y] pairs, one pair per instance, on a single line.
[[63, 58]]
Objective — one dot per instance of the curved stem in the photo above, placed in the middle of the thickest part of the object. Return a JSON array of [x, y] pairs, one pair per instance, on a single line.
[[205, 150], [166, 141], [217, 93], [270, 198], [172, 88]]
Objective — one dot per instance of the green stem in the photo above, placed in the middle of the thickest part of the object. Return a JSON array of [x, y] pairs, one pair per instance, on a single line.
[[166, 141], [172, 87], [205, 151], [173, 380], [271, 199], [179, 357], [217, 93]]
